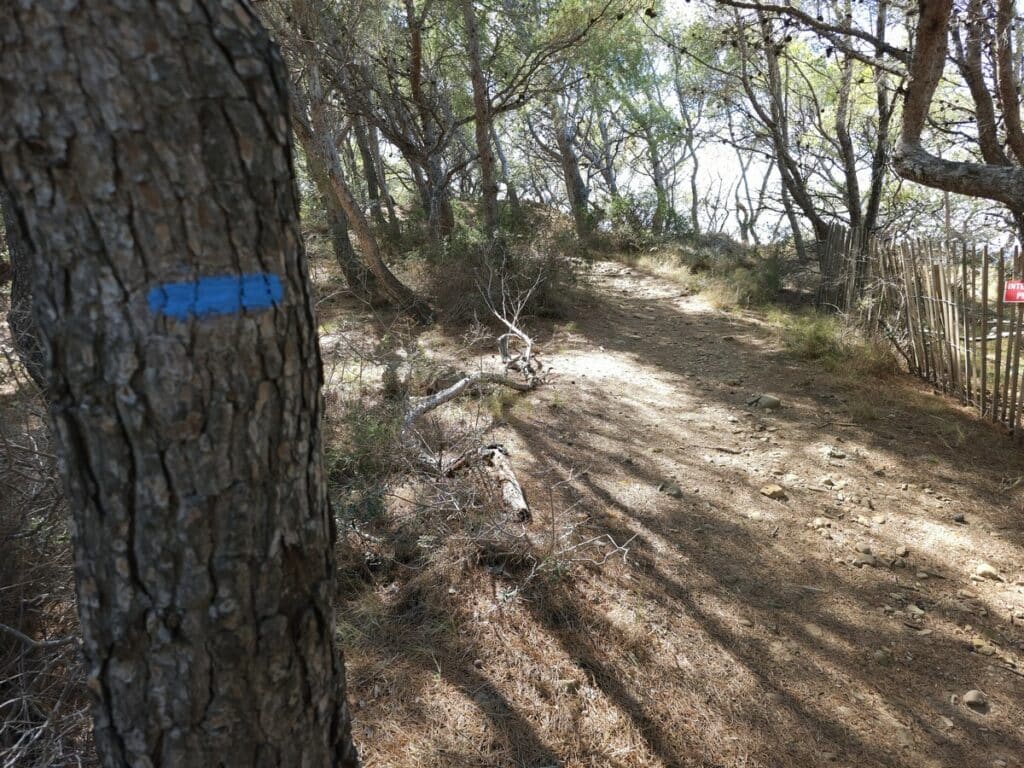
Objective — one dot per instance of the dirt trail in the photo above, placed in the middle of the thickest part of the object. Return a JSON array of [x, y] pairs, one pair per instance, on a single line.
[[736, 633]]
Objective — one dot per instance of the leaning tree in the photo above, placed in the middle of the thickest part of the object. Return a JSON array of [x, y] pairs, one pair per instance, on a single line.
[[146, 150]]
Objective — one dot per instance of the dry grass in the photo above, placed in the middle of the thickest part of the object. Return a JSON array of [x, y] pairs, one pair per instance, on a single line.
[[721, 638], [44, 722], [627, 627], [835, 344], [728, 274]]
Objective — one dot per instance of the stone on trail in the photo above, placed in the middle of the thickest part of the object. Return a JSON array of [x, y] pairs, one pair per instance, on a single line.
[[902, 551], [773, 491], [764, 401], [982, 647], [671, 489], [863, 547], [861, 560], [986, 571], [976, 700]]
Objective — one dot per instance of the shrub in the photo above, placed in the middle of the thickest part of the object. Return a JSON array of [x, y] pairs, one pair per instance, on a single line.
[[467, 278], [362, 456]]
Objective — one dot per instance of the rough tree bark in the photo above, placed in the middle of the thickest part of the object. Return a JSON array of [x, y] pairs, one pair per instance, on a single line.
[[146, 147]]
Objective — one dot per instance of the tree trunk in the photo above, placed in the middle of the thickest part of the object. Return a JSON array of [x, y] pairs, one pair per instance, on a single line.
[[361, 281], [147, 149], [880, 152], [483, 120], [389, 203], [319, 139], [846, 151], [373, 190], [575, 189], [911, 160], [662, 211], [440, 216], [19, 318], [510, 189]]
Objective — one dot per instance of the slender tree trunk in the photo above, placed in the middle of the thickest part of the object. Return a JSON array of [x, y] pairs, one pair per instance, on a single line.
[[483, 120], [369, 171], [846, 151], [880, 152], [19, 318], [511, 193], [174, 308], [694, 191], [794, 227], [382, 181], [575, 189], [661, 207], [361, 281], [440, 216]]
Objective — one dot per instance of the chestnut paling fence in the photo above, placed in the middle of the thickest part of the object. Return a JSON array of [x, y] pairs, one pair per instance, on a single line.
[[942, 305]]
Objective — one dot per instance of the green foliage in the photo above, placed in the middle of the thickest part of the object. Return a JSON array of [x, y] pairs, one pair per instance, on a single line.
[[363, 457], [830, 341]]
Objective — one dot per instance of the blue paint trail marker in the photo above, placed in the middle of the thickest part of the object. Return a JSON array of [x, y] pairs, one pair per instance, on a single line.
[[220, 295]]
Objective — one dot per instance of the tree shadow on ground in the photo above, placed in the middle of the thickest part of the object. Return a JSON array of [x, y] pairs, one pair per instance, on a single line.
[[731, 634]]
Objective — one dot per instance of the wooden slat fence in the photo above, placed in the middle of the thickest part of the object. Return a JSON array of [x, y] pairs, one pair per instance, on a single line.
[[942, 306]]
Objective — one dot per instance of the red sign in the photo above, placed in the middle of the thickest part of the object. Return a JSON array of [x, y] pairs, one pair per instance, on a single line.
[[1014, 292]]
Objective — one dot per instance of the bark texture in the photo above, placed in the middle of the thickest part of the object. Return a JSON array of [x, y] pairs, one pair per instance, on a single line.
[[148, 143]]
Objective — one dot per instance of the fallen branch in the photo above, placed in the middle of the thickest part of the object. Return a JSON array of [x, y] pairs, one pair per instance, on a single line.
[[25, 639], [494, 459], [426, 404]]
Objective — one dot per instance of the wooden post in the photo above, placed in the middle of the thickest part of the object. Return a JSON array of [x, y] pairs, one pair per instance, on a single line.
[[1011, 421], [950, 328], [966, 311], [910, 303], [935, 320], [984, 329], [1001, 283], [921, 310]]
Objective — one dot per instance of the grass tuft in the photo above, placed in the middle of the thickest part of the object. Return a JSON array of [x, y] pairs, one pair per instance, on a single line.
[[833, 343]]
